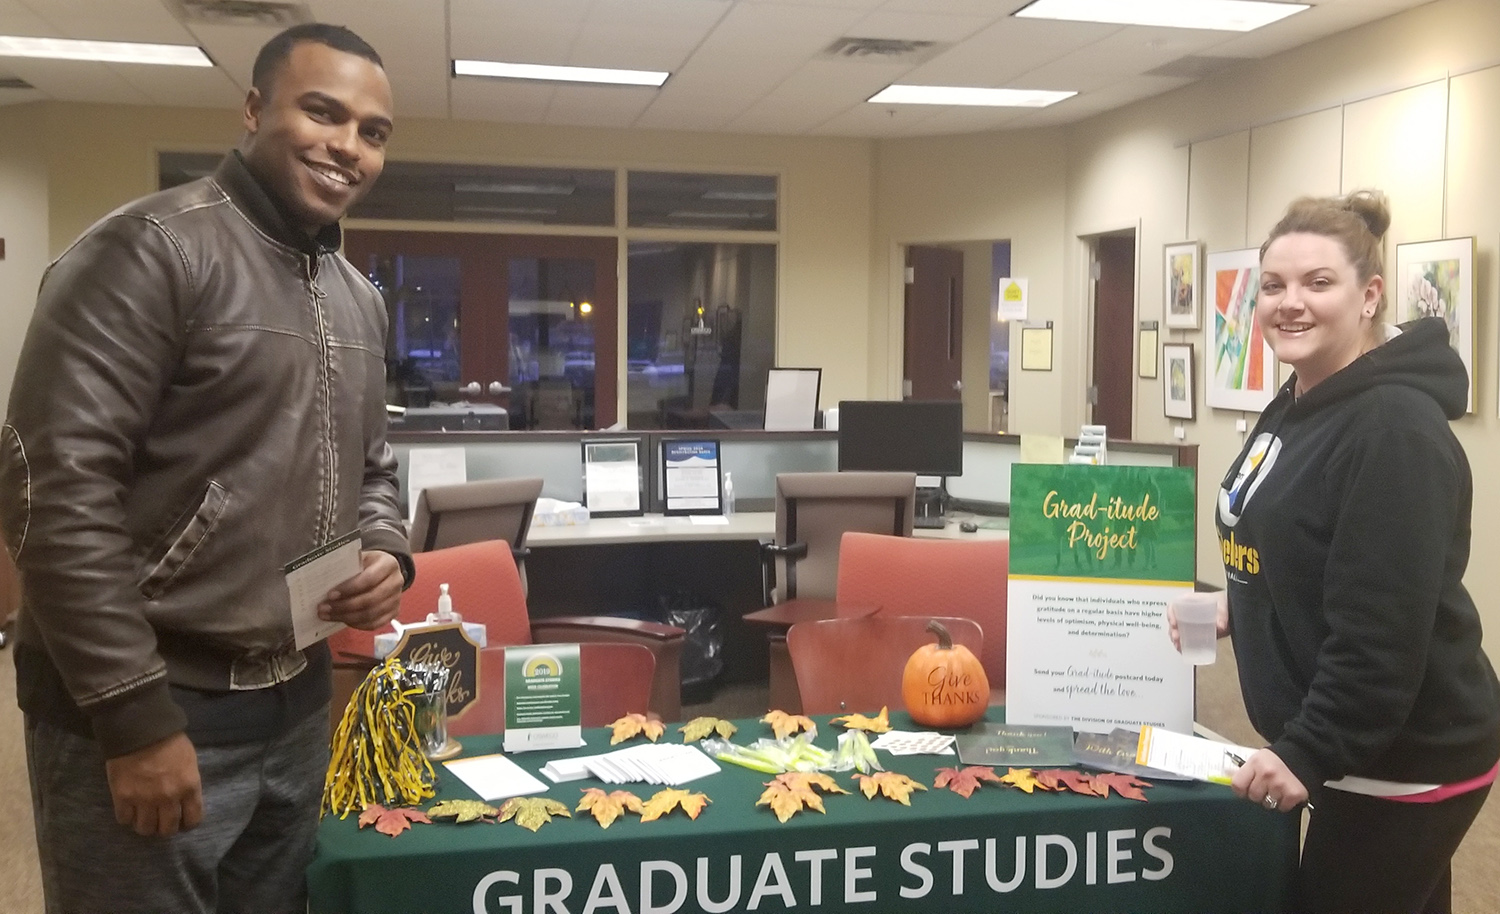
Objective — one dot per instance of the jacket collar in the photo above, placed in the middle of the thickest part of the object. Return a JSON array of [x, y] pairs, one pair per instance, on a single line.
[[251, 196]]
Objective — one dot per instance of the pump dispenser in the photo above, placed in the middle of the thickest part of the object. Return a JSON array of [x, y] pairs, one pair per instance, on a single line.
[[445, 611]]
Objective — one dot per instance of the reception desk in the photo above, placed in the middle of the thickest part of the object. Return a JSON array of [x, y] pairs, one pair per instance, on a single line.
[[1190, 848]]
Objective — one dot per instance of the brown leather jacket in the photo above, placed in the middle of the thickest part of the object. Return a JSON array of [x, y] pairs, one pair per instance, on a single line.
[[200, 399]]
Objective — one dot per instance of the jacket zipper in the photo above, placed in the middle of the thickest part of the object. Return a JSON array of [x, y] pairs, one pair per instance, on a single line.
[[325, 373]]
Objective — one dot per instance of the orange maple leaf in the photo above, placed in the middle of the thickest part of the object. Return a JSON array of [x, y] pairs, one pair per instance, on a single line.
[[790, 793], [1126, 785], [880, 723], [607, 807], [965, 781], [636, 724], [1076, 781], [890, 784], [784, 724], [664, 801], [391, 821]]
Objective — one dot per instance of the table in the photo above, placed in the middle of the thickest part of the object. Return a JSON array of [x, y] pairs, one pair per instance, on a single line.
[[1193, 847], [656, 528]]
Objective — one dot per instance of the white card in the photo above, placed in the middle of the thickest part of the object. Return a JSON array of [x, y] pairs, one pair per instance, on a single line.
[[310, 578], [494, 777]]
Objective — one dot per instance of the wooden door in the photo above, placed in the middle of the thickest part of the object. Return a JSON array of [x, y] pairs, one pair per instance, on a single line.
[[933, 358], [1114, 334]]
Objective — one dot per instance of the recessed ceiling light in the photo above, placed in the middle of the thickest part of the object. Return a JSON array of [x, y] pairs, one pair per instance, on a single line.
[[536, 71], [177, 55], [1223, 15], [962, 95]]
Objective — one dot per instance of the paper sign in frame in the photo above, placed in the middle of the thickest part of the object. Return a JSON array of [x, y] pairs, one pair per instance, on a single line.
[[666, 478], [638, 445]]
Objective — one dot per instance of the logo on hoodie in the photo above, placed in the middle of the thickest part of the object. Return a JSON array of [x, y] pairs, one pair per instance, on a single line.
[[1236, 494]]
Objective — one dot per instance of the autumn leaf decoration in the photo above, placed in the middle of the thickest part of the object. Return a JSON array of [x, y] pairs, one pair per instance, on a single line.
[[607, 807], [634, 725], [704, 727], [464, 811], [880, 723], [391, 821], [1125, 785], [792, 792], [889, 784], [1023, 779], [784, 724], [532, 812], [964, 781], [664, 801]]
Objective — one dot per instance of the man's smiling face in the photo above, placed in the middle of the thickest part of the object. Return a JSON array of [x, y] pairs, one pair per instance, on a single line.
[[316, 139]]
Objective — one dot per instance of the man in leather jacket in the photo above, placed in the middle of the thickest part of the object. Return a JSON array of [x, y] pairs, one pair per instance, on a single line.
[[200, 401]]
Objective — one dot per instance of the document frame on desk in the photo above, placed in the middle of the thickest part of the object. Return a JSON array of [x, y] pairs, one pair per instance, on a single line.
[[614, 476], [692, 478]]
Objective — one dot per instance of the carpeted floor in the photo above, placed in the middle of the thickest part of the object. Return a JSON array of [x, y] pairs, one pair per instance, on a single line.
[[1476, 869]]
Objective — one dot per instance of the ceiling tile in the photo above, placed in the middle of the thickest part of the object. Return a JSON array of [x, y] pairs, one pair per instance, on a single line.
[[413, 43], [116, 20], [181, 86], [1005, 50], [600, 106], [77, 81], [821, 89], [476, 98], [1128, 52], [20, 96], [920, 26], [524, 31]]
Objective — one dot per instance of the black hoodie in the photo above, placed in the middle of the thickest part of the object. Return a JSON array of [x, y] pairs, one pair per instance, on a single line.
[[1344, 527]]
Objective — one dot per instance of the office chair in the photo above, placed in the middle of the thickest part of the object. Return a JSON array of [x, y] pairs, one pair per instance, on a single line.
[[485, 587], [468, 512], [614, 679], [855, 664], [906, 576]]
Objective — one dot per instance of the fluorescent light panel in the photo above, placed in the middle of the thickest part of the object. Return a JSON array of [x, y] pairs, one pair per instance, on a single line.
[[177, 55], [962, 95], [497, 187], [1221, 15], [536, 71]]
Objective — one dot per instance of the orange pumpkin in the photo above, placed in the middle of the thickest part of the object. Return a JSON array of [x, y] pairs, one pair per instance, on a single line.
[[944, 685]]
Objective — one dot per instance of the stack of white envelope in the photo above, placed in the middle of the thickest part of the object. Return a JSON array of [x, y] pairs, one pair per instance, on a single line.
[[651, 763]]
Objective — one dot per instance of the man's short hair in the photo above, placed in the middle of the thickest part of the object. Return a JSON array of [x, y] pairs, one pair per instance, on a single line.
[[278, 49]]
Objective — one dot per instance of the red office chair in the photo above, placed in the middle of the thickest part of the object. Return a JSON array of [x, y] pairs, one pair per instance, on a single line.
[[485, 587], [906, 576], [615, 679]]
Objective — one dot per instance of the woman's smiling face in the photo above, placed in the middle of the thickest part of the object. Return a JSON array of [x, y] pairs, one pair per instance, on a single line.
[[1312, 307]]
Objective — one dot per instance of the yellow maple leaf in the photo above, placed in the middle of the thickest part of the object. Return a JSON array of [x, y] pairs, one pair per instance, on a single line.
[[607, 807], [890, 784], [463, 810], [880, 723], [532, 812], [664, 801], [784, 724], [702, 727], [789, 793], [1024, 779], [635, 724]]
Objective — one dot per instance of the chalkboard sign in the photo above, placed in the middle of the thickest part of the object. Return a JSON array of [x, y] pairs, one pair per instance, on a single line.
[[450, 647]]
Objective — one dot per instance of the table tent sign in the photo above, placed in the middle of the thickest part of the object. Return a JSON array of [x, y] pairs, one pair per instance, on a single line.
[[543, 701], [1096, 552]]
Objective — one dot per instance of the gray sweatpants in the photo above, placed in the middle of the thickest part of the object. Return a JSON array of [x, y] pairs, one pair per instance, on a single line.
[[260, 820]]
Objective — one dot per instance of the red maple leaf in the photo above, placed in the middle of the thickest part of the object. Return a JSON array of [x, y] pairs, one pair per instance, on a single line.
[[1127, 786], [1076, 781], [964, 781], [391, 821]]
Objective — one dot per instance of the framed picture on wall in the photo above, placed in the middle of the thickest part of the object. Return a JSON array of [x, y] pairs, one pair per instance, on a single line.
[[1436, 279], [1239, 369], [1182, 282], [1177, 387]]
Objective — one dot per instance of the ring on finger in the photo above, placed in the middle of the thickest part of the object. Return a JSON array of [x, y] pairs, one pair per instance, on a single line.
[[1271, 802]]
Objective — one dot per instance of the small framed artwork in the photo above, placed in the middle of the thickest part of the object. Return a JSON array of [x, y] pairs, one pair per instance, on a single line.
[[1239, 369], [1146, 350], [1177, 387], [1436, 279], [1182, 281], [691, 479]]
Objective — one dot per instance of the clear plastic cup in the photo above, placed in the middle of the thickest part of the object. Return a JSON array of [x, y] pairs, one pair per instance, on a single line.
[[1197, 626]]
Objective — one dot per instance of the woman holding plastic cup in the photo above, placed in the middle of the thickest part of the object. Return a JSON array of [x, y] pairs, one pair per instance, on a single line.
[[1344, 527]]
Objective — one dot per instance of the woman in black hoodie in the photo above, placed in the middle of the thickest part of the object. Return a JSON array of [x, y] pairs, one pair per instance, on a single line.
[[1344, 527]]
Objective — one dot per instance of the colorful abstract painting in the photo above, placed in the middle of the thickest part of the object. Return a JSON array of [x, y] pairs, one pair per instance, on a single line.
[[1239, 368]]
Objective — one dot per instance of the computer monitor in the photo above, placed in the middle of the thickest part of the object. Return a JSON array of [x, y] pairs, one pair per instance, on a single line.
[[925, 437]]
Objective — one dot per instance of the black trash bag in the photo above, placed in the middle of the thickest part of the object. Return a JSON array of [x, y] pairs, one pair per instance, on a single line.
[[703, 644]]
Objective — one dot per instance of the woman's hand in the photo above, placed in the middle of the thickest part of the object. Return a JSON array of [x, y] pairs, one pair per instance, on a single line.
[[1265, 779], [1221, 625]]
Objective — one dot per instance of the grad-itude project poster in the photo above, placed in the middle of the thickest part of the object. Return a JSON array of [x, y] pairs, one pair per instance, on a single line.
[[1095, 554]]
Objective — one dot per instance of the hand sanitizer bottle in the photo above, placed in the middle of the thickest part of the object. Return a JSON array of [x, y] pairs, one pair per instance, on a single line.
[[445, 611], [728, 494]]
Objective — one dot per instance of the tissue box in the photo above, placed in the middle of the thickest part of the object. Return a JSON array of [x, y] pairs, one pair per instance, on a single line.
[[551, 512], [385, 642]]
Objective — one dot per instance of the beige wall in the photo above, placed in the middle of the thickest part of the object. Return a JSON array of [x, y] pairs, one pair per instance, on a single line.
[[23, 226], [106, 156]]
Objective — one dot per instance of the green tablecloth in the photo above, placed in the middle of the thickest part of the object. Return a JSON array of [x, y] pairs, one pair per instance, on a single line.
[[1192, 847]]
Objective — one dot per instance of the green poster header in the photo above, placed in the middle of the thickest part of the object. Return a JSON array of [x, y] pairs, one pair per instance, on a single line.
[[1103, 522]]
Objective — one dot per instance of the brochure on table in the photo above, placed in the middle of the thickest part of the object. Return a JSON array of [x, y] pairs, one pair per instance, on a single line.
[[1096, 552], [543, 701], [690, 477]]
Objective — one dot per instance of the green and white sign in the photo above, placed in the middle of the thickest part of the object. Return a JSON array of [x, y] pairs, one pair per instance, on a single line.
[[1096, 552], [542, 697]]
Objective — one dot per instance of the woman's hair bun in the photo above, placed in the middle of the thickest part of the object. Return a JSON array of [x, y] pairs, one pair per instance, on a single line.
[[1372, 209]]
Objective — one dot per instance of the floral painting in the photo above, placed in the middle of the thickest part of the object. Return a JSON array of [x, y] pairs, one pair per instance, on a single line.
[[1177, 393], [1436, 279], [1239, 368], [1180, 281]]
